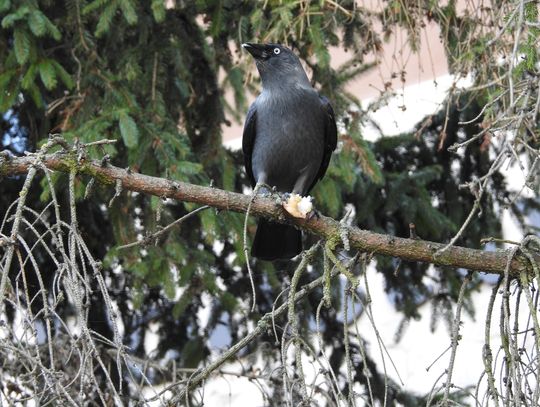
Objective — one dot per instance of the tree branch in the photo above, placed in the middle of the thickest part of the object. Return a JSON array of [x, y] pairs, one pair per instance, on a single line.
[[328, 228]]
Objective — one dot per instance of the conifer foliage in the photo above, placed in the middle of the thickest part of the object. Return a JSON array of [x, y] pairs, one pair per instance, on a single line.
[[163, 78]]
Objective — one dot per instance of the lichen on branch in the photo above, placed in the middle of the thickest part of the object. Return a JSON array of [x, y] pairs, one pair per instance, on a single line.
[[325, 227]]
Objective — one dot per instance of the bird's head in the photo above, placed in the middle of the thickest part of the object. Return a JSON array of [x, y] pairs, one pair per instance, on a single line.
[[277, 65]]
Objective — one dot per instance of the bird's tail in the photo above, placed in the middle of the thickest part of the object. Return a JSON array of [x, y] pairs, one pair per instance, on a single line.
[[275, 241]]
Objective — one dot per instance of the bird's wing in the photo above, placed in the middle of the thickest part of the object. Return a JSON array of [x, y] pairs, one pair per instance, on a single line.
[[248, 140], [330, 138]]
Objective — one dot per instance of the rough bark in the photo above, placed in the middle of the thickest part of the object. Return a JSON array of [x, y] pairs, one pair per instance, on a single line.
[[328, 228]]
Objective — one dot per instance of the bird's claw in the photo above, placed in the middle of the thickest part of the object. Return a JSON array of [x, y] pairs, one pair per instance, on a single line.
[[263, 190], [314, 213]]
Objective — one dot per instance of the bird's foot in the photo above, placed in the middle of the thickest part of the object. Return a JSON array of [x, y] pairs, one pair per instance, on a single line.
[[298, 206], [314, 213], [263, 190]]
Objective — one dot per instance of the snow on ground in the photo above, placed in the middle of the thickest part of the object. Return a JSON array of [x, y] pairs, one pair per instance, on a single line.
[[410, 105]]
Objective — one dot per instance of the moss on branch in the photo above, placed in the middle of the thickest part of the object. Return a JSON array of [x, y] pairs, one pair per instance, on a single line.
[[325, 227]]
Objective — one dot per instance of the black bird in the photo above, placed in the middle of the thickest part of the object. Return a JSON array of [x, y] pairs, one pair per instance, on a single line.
[[289, 135]]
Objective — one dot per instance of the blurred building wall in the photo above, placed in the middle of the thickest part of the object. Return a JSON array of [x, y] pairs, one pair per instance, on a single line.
[[398, 67]]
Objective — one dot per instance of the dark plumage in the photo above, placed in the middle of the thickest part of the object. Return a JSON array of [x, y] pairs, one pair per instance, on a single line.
[[289, 135]]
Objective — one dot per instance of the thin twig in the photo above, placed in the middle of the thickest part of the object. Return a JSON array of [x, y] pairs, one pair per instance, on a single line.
[[262, 326], [154, 236], [455, 338], [246, 249]]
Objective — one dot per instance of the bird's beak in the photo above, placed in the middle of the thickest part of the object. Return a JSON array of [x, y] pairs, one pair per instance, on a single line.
[[257, 50]]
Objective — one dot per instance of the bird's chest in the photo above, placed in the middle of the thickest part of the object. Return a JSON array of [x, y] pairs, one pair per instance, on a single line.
[[286, 123], [290, 138], [293, 120]]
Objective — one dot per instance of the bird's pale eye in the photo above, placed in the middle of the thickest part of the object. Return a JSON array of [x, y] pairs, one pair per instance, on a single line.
[[277, 51]]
